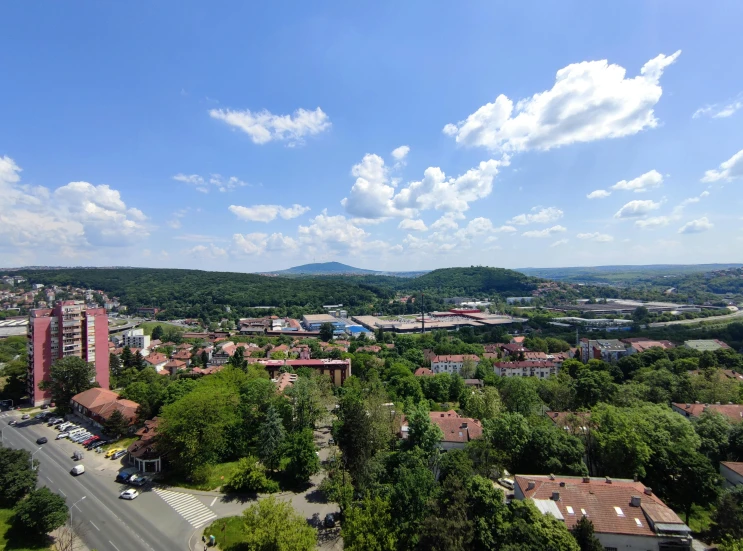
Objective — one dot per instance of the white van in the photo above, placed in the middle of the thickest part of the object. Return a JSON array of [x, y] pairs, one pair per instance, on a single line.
[[78, 470]]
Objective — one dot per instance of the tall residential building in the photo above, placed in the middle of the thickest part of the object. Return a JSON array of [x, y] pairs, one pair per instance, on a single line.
[[135, 338], [68, 329]]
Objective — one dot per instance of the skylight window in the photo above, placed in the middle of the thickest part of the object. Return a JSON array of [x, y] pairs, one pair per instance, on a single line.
[[619, 511], [637, 521], [583, 512], [570, 510]]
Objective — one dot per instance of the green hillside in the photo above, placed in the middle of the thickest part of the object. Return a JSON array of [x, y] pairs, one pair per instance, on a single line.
[[476, 280]]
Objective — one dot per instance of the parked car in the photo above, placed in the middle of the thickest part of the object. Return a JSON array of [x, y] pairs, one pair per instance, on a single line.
[[112, 452], [78, 438], [54, 421], [118, 454], [131, 493], [61, 435], [125, 474], [88, 440], [98, 444], [78, 470], [45, 406], [329, 520], [138, 480]]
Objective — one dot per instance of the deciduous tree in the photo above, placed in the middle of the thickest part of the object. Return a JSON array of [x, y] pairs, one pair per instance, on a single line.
[[275, 525], [41, 512], [272, 435], [17, 478], [67, 377], [303, 460]]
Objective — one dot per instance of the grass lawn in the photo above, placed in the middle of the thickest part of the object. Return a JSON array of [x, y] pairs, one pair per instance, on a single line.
[[218, 475], [123, 443], [16, 542], [699, 520], [148, 326], [229, 532]]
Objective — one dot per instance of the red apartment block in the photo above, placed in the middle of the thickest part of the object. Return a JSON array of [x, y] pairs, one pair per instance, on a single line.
[[68, 329]]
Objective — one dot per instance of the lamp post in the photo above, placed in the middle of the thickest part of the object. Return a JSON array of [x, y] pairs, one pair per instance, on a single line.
[[32, 459], [75, 505]]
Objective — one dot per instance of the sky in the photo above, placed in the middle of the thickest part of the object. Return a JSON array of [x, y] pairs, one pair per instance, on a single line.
[[414, 135]]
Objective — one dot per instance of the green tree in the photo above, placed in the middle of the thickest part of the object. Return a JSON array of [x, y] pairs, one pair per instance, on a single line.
[[727, 519], [487, 511], [508, 434], [238, 359], [694, 481], [529, 530], [67, 377], [584, 534], [520, 396], [272, 435], [337, 486], [17, 478], [127, 358], [116, 424], [250, 476], [272, 525], [326, 332], [114, 366], [552, 450], [422, 432], [157, 333], [641, 314], [41, 512], [307, 403], [482, 404], [713, 429], [369, 526], [447, 527], [303, 461], [413, 486], [592, 387], [204, 358], [138, 361]]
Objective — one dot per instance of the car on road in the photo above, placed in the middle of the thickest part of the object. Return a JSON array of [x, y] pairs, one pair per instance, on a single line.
[[138, 480], [61, 435], [13, 423], [25, 416], [131, 493], [42, 440], [77, 470], [125, 474]]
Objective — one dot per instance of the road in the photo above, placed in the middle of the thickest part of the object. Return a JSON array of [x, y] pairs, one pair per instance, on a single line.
[[734, 315], [108, 523]]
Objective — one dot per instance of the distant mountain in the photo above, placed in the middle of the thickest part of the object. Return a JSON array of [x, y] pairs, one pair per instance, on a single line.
[[325, 268]]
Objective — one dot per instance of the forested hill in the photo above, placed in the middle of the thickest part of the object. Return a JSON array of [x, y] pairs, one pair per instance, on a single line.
[[200, 294]]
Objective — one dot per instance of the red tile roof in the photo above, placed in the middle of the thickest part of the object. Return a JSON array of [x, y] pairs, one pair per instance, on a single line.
[[455, 358], [606, 504], [156, 358], [456, 428], [422, 371], [734, 412], [102, 403], [735, 466]]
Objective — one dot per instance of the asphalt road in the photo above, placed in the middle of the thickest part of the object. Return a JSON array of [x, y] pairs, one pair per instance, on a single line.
[[107, 522], [725, 317]]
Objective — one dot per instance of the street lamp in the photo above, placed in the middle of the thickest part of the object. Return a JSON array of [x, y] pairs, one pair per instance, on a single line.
[[75, 505], [32, 459]]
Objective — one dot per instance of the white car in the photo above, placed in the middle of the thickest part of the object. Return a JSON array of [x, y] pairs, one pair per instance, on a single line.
[[131, 493], [61, 435]]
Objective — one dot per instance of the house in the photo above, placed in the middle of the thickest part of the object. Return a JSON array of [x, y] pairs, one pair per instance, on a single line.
[[337, 370], [147, 311], [453, 363], [732, 472], [457, 430], [625, 514], [284, 380], [173, 366], [637, 345], [528, 368], [143, 453], [536, 356], [183, 355], [704, 345], [373, 349], [734, 412], [608, 350], [518, 340], [135, 338], [156, 360], [97, 404], [512, 349], [422, 371]]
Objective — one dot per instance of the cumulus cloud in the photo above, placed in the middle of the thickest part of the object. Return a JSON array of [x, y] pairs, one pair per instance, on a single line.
[[596, 236], [538, 215], [400, 153], [447, 221], [547, 232], [720, 110], [637, 208], [559, 242], [653, 222], [696, 226], [264, 126], [214, 181], [599, 194], [210, 251], [589, 101], [267, 213], [415, 225], [730, 170], [374, 196], [646, 182], [334, 233], [71, 219]]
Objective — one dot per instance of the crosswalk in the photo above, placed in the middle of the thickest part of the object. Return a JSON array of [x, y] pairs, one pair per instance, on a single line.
[[196, 513]]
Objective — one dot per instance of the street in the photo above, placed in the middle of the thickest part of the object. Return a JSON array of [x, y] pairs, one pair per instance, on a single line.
[[107, 522]]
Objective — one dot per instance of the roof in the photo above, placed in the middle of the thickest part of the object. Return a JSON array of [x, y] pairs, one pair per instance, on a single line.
[[607, 503], [518, 340], [524, 364], [511, 348], [102, 403], [456, 428], [612, 345], [703, 345], [156, 358], [529, 355], [735, 466], [734, 412], [422, 371], [455, 358]]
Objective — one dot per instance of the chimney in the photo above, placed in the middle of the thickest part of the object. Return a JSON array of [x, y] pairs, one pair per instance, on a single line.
[[586, 479], [608, 480], [635, 501], [648, 491], [552, 477], [464, 425], [562, 484], [530, 485], [636, 478], [555, 496]]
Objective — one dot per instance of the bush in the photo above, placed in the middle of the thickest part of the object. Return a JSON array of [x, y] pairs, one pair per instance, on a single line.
[[251, 477]]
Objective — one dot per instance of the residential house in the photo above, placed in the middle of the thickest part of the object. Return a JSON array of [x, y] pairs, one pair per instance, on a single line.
[[518, 340], [457, 430], [734, 412], [514, 350], [527, 368], [625, 514], [183, 355], [637, 345], [535, 356], [422, 371], [284, 380], [453, 363], [608, 350], [732, 472], [156, 360], [135, 338], [143, 453], [97, 405], [173, 366]]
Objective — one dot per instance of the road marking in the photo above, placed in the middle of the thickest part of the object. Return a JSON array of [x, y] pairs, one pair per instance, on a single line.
[[94, 526], [213, 502], [61, 492], [112, 545], [196, 513]]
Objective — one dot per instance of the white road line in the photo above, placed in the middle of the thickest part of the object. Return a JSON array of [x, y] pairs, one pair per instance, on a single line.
[[187, 506], [213, 502], [94, 526], [112, 545], [61, 492]]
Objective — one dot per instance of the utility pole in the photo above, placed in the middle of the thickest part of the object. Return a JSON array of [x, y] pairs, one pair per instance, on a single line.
[[423, 316]]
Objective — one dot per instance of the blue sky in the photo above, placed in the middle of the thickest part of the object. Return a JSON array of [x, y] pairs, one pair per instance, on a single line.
[[393, 136]]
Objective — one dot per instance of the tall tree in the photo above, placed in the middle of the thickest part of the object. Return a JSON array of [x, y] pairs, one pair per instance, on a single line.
[[369, 526], [303, 461], [326, 332], [17, 478], [584, 534], [694, 481], [422, 432], [41, 512], [204, 358], [138, 361], [727, 519], [238, 359], [157, 333], [714, 431], [116, 424], [272, 435], [306, 403], [272, 525], [67, 377], [127, 357], [447, 527], [114, 366]]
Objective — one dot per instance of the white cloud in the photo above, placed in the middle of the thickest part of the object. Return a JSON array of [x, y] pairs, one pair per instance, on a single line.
[[9, 171], [250, 243], [547, 232], [400, 153], [373, 196], [505, 229], [538, 216], [264, 126], [730, 170], [211, 251], [447, 221], [696, 226], [599, 194], [415, 225], [718, 111], [646, 182], [596, 236], [335, 233], [589, 101], [653, 222], [637, 208], [215, 181], [475, 228], [267, 213], [559, 242]]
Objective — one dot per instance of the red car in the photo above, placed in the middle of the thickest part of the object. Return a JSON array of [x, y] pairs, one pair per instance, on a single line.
[[89, 440]]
